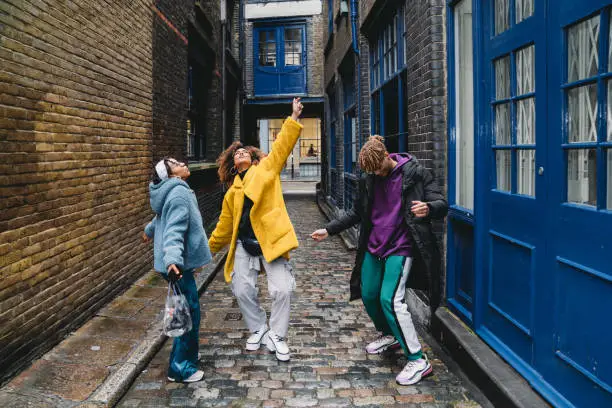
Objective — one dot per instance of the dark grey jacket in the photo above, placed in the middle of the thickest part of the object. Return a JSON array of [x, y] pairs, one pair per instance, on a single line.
[[418, 185]]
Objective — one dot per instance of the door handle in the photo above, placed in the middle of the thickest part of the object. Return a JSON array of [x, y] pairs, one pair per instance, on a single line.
[[540, 170]]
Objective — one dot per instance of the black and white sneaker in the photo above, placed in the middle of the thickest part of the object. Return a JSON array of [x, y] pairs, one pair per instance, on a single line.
[[256, 338], [278, 345]]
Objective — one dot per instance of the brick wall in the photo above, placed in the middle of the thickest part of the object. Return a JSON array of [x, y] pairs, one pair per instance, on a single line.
[[90, 95]]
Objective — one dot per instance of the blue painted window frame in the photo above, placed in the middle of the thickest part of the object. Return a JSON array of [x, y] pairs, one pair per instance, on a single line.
[[461, 220], [279, 27], [382, 46]]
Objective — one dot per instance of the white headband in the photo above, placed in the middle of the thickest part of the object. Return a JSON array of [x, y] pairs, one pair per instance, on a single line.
[[160, 169]]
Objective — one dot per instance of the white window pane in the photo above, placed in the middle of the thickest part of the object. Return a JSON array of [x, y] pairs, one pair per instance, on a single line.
[[526, 172], [503, 165], [609, 187], [525, 70], [525, 121], [502, 78], [502, 124], [524, 9], [502, 16], [267, 54], [582, 114], [293, 53], [582, 176], [464, 106], [583, 45], [293, 46]]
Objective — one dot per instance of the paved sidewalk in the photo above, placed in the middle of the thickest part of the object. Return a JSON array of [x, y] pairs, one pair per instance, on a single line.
[[295, 188], [328, 368], [97, 363]]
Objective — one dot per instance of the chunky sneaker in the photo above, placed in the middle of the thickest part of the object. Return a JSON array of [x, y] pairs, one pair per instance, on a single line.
[[276, 343], [256, 338], [381, 344], [414, 371], [195, 377]]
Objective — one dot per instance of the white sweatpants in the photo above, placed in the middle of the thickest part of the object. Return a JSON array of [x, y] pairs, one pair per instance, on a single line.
[[281, 284]]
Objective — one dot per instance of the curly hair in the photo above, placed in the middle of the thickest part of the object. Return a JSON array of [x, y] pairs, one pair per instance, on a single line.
[[372, 154], [226, 171]]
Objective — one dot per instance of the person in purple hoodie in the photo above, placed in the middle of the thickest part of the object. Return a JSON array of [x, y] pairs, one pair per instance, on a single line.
[[398, 198]]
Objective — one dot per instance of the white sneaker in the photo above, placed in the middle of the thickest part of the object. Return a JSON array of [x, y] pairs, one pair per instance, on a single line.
[[195, 377], [414, 371], [381, 344], [276, 343], [256, 338]]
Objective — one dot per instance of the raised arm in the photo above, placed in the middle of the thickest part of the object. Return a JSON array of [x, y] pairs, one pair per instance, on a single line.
[[286, 140]]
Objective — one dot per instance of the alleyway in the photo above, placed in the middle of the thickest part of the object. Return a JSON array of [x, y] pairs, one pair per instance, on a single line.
[[329, 367]]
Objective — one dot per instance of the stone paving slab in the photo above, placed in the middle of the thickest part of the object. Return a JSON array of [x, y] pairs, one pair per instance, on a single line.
[[97, 363], [327, 336]]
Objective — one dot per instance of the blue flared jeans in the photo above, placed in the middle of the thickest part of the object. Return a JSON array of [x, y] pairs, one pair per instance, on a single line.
[[184, 355]]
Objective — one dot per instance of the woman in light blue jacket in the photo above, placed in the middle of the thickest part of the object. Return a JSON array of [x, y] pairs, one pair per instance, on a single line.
[[180, 246]]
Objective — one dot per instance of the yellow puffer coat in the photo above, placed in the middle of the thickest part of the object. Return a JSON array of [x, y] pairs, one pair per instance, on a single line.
[[269, 217]]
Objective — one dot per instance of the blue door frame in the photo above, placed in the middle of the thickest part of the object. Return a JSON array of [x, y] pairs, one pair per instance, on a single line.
[[532, 275]]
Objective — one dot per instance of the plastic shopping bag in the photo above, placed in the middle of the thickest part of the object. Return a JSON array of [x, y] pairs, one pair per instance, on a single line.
[[177, 319]]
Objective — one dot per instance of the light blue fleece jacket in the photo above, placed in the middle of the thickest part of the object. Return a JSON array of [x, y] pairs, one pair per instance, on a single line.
[[177, 230]]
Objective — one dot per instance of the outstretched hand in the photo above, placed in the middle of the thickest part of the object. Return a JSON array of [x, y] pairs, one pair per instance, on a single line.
[[297, 108], [319, 235]]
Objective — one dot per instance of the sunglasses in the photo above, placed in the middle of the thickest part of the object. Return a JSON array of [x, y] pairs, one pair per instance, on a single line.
[[241, 153]]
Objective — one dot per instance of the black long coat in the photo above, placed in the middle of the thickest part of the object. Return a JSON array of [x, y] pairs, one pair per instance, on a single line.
[[418, 185]]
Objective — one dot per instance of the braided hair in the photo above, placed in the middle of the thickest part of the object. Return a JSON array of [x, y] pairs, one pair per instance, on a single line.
[[372, 154]]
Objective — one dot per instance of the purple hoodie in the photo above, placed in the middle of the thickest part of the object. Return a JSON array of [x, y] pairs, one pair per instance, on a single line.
[[390, 234]]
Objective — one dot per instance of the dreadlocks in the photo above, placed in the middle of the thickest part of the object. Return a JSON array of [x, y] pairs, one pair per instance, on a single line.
[[372, 154]]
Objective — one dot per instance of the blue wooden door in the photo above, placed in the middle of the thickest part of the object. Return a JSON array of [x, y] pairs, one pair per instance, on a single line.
[[577, 356], [547, 286], [280, 60], [516, 190]]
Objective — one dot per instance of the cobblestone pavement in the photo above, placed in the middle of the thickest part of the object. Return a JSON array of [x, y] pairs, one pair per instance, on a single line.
[[327, 336]]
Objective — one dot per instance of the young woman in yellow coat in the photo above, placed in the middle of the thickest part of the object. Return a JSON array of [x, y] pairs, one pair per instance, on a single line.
[[255, 224]]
